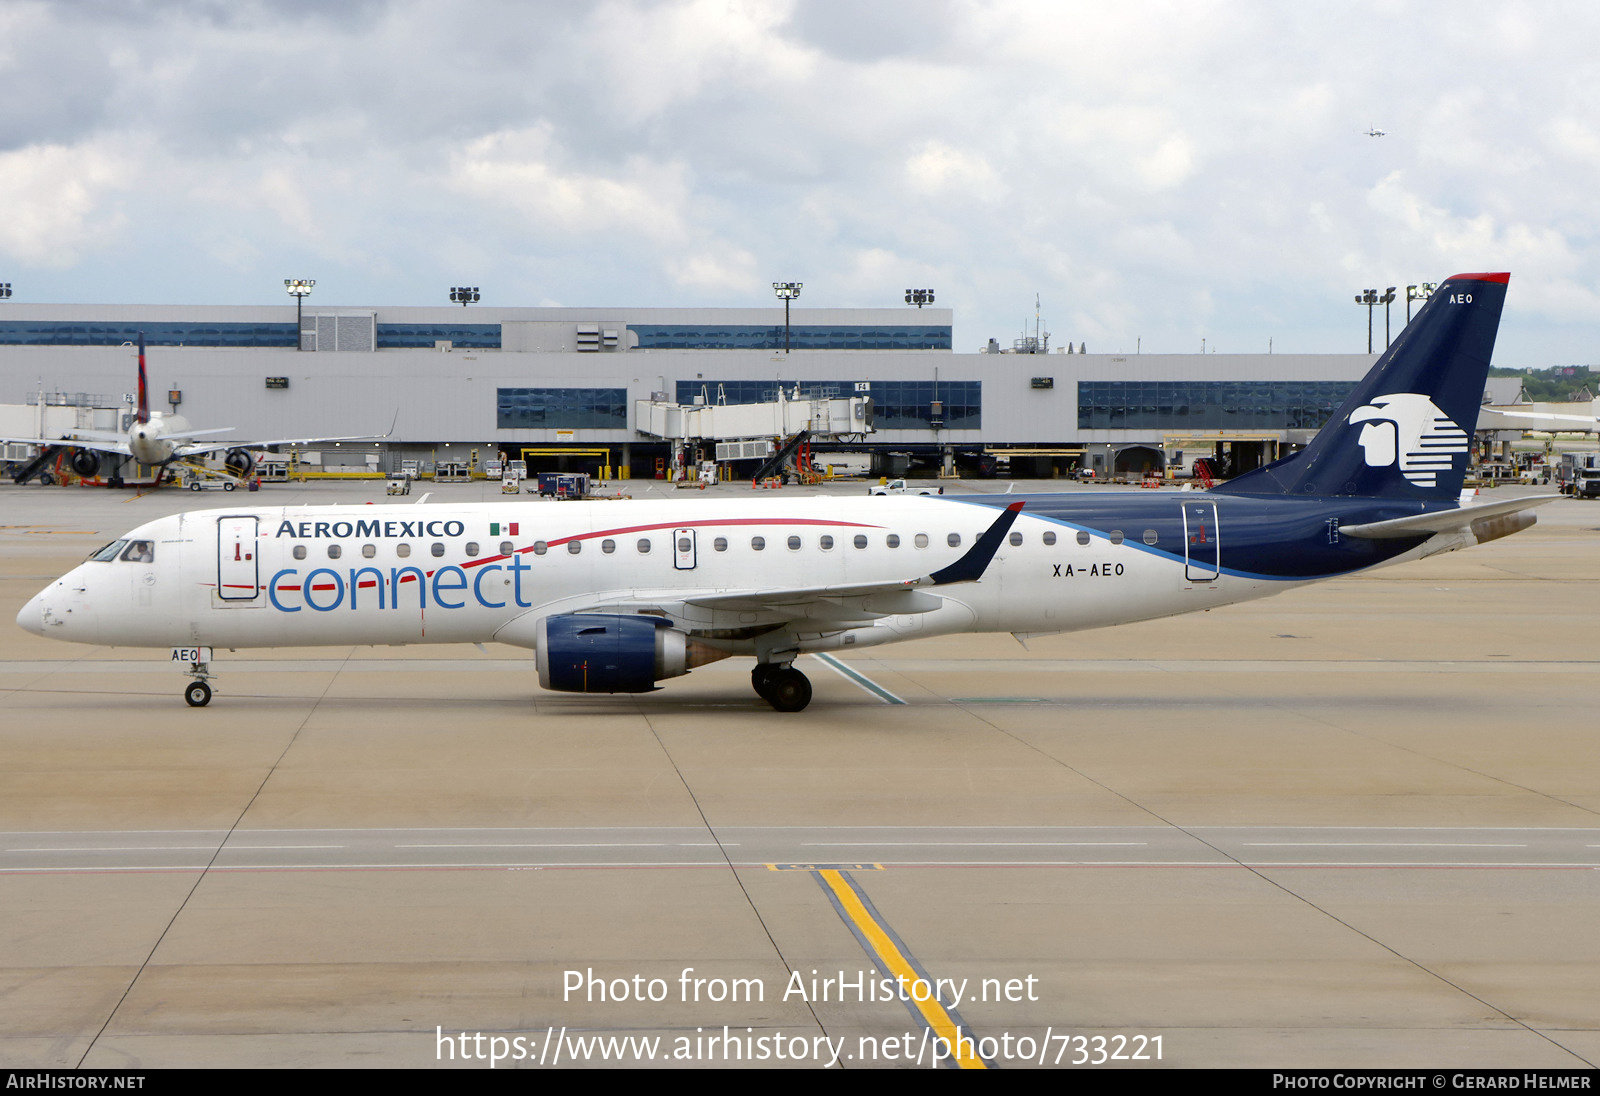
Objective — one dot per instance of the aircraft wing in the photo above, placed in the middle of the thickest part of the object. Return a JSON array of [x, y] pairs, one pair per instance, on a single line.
[[833, 606], [105, 443], [196, 450], [1444, 521]]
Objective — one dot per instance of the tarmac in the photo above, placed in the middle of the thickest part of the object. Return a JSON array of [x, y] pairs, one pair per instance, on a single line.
[[1355, 825]]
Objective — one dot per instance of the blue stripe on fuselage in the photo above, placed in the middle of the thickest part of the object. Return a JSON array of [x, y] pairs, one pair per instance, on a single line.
[[1258, 537]]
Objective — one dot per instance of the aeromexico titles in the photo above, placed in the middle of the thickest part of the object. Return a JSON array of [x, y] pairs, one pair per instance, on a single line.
[[616, 596]]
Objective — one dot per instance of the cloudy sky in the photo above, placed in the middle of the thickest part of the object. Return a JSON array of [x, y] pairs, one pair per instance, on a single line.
[[1158, 173]]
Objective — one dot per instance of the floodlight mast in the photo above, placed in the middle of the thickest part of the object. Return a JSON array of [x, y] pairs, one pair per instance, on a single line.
[[299, 289], [919, 297], [1418, 293], [1368, 297], [464, 294], [786, 291]]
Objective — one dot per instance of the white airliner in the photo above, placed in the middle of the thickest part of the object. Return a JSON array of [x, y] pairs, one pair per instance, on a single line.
[[615, 596], [155, 440]]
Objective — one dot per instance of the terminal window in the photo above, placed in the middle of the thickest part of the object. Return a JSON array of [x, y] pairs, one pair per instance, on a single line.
[[562, 408], [1208, 405]]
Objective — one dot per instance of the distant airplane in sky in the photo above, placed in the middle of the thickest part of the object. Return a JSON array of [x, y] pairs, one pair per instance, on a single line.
[[1375, 133]]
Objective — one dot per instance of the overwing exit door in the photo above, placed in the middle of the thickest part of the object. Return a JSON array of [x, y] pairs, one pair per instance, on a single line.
[[683, 549]]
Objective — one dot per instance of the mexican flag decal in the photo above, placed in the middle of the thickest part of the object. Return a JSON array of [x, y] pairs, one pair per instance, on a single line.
[[510, 528]]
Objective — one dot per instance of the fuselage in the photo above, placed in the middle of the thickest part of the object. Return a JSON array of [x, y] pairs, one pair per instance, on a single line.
[[150, 442], [326, 575]]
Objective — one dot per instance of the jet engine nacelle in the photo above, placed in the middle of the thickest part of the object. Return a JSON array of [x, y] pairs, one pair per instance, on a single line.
[[85, 462], [595, 653], [239, 462]]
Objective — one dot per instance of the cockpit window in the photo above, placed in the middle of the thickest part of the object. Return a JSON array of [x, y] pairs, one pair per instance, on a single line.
[[109, 552], [140, 551]]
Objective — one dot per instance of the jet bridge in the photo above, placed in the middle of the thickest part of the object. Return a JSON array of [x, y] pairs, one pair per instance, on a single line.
[[827, 416], [746, 431]]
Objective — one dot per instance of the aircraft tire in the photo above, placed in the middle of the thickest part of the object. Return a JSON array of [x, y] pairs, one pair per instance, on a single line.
[[788, 690], [198, 694], [761, 678]]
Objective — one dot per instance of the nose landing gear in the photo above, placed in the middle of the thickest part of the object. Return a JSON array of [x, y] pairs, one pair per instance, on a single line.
[[197, 694]]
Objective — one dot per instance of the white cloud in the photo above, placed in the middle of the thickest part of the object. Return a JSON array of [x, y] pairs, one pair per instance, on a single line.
[[57, 202]]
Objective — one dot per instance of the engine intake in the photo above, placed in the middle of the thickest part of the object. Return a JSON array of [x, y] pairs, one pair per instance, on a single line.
[[599, 653], [239, 462], [85, 462]]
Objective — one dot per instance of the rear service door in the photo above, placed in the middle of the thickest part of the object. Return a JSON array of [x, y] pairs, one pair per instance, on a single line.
[[1202, 549], [238, 575]]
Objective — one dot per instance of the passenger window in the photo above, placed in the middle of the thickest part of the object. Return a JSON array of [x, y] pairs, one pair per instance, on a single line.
[[140, 551], [401, 550], [506, 547], [1116, 536], [1050, 538], [954, 540], [757, 543], [608, 546], [300, 551], [685, 545], [437, 549], [369, 550], [1015, 539], [794, 544], [1149, 536], [574, 547], [860, 541], [334, 551], [826, 544], [644, 546], [472, 547], [720, 544], [920, 540], [540, 547], [892, 540], [1083, 536]]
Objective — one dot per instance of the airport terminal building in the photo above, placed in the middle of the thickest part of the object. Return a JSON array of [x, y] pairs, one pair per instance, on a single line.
[[571, 387]]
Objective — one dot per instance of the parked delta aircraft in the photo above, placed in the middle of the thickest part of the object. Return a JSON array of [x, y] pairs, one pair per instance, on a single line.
[[615, 596], [157, 440]]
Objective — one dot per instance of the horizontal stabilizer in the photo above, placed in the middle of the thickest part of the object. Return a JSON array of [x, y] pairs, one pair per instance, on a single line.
[[1443, 521]]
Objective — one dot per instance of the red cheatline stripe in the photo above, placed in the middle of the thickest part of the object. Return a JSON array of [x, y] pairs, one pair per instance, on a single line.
[[622, 531]]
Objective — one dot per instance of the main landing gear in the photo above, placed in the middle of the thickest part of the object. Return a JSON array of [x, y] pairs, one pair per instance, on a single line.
[[784, 687], [198, 692]]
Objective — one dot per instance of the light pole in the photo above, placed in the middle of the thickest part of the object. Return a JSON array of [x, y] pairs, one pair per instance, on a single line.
[[786, 291], [5, 290], [1418, 293], [919, 297], [299, 289], [1368, 297], [1386, 300], [464, 294]]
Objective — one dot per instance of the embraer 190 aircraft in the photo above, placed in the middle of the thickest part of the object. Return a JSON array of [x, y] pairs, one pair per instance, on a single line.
[[616, 596], [157, 440]]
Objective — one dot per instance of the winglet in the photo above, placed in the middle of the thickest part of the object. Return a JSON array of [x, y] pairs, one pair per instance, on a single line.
[[970, 567]]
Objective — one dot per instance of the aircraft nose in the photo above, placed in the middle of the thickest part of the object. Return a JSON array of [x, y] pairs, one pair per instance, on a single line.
[[31, 618]]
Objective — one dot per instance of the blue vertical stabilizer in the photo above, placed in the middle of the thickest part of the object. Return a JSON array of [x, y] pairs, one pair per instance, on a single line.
[[1406, 430]]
